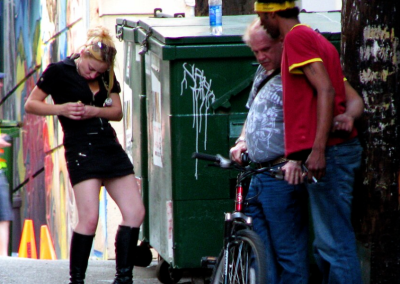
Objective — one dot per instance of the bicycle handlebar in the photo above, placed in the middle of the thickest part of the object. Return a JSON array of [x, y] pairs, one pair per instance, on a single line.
[[225, 163], [218, 159], [205, 157]]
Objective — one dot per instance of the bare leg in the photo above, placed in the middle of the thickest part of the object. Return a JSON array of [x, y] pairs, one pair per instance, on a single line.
[[125, 192], [4, 237], [87, 202]]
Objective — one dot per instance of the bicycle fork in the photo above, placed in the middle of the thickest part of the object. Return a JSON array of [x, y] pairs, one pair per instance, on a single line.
[[233, 222]]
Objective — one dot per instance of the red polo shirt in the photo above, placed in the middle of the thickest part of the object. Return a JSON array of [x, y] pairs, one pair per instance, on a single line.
[[303, 46]]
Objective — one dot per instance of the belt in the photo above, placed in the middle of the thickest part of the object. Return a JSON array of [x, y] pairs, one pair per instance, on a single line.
[[274, 162]]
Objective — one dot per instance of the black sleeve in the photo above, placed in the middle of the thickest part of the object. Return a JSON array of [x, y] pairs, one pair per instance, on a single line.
[[116, 88], [48, 82]]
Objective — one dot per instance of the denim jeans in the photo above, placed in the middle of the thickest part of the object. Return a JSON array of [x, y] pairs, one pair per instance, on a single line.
[[280, 217], [331, 197], [6, 213]]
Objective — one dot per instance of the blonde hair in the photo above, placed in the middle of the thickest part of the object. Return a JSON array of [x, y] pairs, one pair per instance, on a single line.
[[100, 46]]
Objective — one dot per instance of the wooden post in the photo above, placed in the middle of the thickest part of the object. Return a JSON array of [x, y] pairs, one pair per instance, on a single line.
[[371, 56]]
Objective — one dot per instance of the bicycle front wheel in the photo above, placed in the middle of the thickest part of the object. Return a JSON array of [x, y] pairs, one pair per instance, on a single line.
[[246, 261]]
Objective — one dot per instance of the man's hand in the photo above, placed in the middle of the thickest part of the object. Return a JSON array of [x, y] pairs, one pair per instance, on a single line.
[[316, 164], [237, 150], [343, 122], [354, 110], [293, 172]]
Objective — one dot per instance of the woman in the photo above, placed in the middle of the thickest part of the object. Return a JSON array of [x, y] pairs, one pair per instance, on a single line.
[[85, 94]]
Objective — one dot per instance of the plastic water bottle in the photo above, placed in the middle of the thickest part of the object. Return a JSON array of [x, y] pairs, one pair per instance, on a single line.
[[215, 13]]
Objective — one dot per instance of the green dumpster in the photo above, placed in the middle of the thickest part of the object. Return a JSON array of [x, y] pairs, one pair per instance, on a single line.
[[135, 117], [196, 89]]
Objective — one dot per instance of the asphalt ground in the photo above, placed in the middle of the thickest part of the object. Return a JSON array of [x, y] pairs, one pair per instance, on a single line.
[[14, 270]]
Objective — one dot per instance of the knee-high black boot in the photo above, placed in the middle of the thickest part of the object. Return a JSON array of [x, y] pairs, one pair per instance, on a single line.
[[81, 246], [125, 246]]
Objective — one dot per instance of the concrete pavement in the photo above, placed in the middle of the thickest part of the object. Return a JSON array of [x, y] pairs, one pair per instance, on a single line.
[[14, 270]]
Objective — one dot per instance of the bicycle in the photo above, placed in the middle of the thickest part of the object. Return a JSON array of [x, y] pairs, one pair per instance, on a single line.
[[242, 259]]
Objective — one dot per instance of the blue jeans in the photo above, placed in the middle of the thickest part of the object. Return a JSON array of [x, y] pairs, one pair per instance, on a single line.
[[6, 213], [280, 217], [334, 246]]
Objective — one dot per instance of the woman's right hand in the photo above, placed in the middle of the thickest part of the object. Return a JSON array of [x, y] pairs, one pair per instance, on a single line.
[[73, 111], [35, 104]]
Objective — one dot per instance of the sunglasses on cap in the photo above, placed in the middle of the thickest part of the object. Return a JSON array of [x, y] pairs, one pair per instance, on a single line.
[[107, 52]]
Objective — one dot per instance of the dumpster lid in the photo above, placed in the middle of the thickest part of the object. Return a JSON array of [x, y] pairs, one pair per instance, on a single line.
[[130, 23], [238, 20], [195, 30], [177, 31], [126, 28], [9, 123], [324, 22]]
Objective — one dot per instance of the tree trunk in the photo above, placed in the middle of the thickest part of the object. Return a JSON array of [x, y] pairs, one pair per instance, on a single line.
[[370, 55]]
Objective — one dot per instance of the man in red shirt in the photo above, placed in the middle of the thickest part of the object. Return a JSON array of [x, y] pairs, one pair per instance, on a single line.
[[314, 93]]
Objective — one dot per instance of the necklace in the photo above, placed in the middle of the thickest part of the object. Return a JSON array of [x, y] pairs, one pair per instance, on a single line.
[[108, 101]]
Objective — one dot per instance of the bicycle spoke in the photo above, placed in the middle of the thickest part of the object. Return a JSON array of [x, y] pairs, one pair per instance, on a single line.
[[246, 261], [239, 263]]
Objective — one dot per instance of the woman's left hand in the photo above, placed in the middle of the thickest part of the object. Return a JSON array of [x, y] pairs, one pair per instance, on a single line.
[[89, 112]]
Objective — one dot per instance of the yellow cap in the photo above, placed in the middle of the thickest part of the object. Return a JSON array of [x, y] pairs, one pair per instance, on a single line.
[[273, 7]]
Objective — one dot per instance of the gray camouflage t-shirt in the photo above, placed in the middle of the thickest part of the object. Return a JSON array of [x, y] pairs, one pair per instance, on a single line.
[[264, 125]]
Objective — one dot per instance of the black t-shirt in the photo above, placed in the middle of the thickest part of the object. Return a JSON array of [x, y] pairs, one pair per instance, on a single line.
[[63, 83]]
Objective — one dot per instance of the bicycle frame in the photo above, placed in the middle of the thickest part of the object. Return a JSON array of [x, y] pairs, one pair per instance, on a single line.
[[235, 221], [237, 224]]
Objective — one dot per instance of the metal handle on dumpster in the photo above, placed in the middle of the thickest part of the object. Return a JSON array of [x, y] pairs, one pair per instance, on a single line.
[[158, 14], [225, 98], [144, 46], [119, 31]]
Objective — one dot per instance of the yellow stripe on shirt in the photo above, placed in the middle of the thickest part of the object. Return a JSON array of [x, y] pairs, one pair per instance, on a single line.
[[293, 69]]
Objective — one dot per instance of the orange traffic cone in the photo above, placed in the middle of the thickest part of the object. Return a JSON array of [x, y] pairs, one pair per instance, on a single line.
[[46, 244], [27, 246]]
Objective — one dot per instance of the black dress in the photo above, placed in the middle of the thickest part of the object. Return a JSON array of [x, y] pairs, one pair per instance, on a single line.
[[91, 146]]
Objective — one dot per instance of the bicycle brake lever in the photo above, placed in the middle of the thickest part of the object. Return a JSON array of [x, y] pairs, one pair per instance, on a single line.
[[224, 162]]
